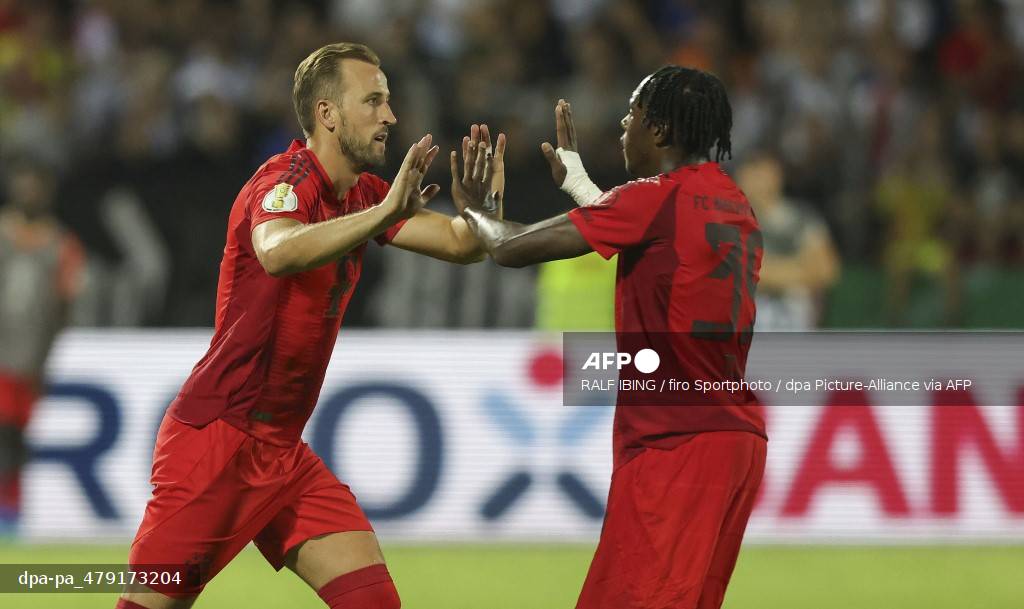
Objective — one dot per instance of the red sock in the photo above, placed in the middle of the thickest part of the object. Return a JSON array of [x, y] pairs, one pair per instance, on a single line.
[[123, 604], [367, 588]]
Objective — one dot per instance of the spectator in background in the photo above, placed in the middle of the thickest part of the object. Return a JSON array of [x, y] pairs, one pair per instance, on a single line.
[[40, 267], [800, 263], [913, 196], [34, 74], [117, 94]]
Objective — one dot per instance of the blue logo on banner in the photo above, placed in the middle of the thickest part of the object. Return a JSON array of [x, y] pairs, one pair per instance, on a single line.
[[428, 428], [571, 431], [83, 459]]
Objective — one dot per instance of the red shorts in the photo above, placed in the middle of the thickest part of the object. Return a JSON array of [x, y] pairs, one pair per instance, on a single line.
[[674, 524], [218, 488], [17, 397]]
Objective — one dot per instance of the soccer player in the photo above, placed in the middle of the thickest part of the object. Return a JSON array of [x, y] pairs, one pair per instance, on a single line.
[[229, 465], [41, 272], [684, 477]]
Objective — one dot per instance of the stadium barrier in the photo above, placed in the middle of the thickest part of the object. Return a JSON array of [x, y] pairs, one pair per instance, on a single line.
[[463, 436]]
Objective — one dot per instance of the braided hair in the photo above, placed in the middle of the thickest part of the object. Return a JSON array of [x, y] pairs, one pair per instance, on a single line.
[[690, 108]]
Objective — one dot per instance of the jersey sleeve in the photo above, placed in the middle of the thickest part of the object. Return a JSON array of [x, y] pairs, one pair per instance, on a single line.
[[282, 194], [623, 217], [380, 190]]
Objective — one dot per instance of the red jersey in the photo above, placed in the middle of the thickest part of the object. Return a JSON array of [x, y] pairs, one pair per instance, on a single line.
[[689, 259], [274, 335]]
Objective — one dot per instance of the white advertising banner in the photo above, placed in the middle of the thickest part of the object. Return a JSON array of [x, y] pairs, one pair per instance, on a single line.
[[462, 436]]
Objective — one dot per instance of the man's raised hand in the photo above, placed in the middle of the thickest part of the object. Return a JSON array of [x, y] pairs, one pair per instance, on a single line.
[[482, 181], [405, 197], [565, 131]]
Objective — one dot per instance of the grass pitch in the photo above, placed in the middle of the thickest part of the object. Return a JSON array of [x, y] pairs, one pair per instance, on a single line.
[[549, 577]]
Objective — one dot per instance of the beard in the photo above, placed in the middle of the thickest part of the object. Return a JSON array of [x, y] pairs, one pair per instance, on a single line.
[[362, 154]]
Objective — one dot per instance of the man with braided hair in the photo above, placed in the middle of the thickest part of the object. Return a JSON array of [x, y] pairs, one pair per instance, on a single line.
[[686, 470]]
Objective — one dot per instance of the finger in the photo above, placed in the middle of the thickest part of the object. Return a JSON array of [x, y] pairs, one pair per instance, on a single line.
[[454, 162], [467, 149], [570, 127], [421, 146], [429, 192], [561, 131], [425, 149], [481, 161], [467, 172], [409, 160], [488, 170], [474, 141], [429, 158], [499, 149], [485, 137]]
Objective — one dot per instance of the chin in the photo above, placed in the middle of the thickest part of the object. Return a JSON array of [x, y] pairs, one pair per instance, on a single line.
[[368, 163]]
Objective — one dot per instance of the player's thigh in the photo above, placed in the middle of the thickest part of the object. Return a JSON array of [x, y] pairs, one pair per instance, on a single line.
[[154, 600], [730, 537], [214, 490], [323, 532], [323, 558]]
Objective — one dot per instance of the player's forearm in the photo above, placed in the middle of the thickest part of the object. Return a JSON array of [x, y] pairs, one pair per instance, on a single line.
[[517, 245], [493, 235], [466, 247], [312, 245]]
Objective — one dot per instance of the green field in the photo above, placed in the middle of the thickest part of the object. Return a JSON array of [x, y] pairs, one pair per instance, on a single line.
[[541, 577]]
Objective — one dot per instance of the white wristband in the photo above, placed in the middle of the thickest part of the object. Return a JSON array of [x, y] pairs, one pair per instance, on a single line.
[[577, 183]]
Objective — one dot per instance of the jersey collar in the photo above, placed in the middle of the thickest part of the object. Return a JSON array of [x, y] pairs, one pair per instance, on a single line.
[[318, 169]]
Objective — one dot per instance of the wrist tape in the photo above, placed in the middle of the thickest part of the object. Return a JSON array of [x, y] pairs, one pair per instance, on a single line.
[[577, 183]]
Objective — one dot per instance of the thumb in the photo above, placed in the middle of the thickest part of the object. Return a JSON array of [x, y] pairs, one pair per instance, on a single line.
[[549, 153]]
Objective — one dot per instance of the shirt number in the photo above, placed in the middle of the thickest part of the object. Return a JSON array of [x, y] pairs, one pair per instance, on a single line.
[[737, 265]]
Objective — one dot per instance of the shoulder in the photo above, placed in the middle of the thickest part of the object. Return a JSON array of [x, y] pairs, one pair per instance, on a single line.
[[289, 168], [640, 190], [282, 181]]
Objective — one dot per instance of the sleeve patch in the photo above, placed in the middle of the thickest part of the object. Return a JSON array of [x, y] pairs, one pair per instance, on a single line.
[[281, 198]]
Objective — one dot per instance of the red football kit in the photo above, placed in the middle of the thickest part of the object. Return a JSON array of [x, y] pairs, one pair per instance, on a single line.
[[229, 465], [685, 476]]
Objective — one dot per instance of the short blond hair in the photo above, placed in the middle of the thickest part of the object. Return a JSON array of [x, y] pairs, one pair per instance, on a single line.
[[317, 77]]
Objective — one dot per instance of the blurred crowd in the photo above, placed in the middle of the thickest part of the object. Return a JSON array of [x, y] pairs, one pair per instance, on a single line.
[[891, 133]]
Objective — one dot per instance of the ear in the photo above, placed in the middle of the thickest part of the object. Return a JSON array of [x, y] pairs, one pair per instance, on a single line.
[[326, 114], [660, 137]]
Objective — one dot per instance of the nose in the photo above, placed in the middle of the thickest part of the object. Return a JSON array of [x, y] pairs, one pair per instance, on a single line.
[[622, 123], [389, 115]]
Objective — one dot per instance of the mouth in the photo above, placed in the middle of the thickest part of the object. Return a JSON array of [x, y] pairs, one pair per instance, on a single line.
[[381, 137]]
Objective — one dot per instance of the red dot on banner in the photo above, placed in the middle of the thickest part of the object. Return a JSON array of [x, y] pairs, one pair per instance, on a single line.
[[546, 368]]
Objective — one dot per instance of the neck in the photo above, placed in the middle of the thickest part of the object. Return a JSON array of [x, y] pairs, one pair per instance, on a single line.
[[674, 159], [340, 170]]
